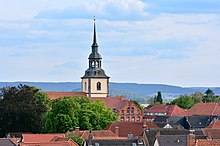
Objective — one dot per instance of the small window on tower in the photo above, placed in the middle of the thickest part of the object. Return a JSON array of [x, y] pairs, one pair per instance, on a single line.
[[85, 86], [98, 86]]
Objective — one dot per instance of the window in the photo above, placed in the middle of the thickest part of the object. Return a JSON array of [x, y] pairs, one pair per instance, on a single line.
[[122, 112], [138, 119], [132, 119], [85, 86], [128, 110], [138, 112], [122, 118], [98, 86], [127, 119], [132, 110]]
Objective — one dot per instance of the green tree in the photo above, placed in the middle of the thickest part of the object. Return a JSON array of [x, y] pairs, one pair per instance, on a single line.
[[208, 96], [138, 104], [184, 101], [158, 98], [22, 109], [197, 96], [79, 111]]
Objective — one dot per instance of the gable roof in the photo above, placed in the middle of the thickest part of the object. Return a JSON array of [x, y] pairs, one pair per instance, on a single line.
[[172, 140], [97, 134], [215, 124], [60, 142], [152, 133], [209, 109], [6, 142], [170, 110], [55, 95], [135, 128], [111, 102], [198, 121], [36, 138]]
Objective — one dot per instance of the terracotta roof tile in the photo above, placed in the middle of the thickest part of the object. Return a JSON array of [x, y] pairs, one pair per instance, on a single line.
[[213, 133], [135, 128], [209, 109], [111, 102], [52, 143], [55, 95], [170, 110], [203, 142], [33, 138], [98, 134], [215, 124]]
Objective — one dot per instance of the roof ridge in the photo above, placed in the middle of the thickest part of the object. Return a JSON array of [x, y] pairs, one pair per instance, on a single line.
[[214, 108], [173, 110]]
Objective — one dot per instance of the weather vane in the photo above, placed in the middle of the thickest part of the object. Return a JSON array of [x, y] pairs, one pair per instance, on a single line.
[[94, 18]]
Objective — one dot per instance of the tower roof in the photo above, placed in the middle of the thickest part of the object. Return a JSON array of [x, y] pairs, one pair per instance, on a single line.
[[95, 54]]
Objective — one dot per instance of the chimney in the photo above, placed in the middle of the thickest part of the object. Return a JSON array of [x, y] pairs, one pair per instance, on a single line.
[[130, 136], [117, 130], [77, 130], [191, 140], [144, 127], [209, 135], [90, 138]]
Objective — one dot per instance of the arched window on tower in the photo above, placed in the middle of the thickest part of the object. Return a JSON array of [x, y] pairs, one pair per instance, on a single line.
[[85, 86], [98, 86]]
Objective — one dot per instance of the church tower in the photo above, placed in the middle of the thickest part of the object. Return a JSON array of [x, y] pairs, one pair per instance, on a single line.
[[95, 83]]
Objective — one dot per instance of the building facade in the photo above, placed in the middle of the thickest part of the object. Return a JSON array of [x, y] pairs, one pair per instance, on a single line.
[[95, 83]]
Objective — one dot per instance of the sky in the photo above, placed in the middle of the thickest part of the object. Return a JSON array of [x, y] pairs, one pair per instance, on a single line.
[[173, 42]]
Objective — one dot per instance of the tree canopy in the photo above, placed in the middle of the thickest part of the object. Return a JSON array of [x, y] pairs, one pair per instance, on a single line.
[[22, 109], [69, 112]]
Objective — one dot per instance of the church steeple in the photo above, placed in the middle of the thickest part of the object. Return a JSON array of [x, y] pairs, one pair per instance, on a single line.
[[95, 82], [94, 45]]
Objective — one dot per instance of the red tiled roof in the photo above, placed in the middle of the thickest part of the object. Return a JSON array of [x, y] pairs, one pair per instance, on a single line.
[[55, 95], [204, 142], [34, 138], [111, 102], [135, 128], [215, 124], [206, 109], [68, 142], [170, 110], [97, 135], [213, 133]]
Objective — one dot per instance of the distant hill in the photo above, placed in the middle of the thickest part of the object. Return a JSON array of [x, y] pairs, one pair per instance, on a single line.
[[140, 92]]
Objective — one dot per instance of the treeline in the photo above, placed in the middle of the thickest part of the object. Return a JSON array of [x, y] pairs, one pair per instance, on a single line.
[[26, 109], [186, 101]]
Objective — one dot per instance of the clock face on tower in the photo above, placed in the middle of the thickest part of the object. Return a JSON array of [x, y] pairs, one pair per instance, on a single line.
[[98, 72]]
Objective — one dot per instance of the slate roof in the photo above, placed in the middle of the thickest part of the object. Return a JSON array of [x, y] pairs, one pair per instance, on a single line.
[[135, 128], [172, 140], [55, 95], [202, 142], [208, 109], [197, 121], [173, 121], [126, 142], [170, 110], [6, 142], [151, 133], [215, 124]]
